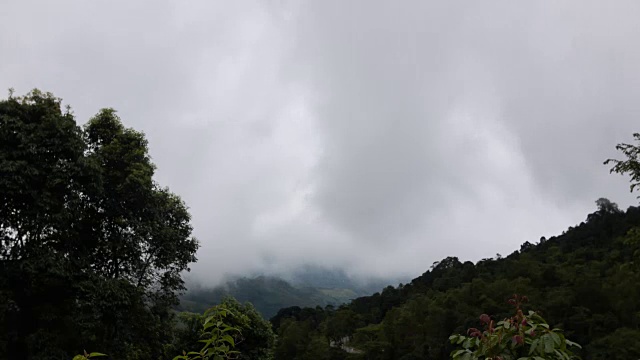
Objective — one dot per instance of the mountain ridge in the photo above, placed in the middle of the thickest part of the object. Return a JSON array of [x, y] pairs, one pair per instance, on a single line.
[[269, 293]]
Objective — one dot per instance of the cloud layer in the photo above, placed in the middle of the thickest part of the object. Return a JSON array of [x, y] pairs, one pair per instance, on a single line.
[[377, 137]]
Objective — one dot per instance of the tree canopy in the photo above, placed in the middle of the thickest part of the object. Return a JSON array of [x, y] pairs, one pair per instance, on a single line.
[[91, 247]]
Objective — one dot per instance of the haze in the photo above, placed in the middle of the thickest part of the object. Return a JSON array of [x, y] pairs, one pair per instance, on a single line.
[[371, 136]]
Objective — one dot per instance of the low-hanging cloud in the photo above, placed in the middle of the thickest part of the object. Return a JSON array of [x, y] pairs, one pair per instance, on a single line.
[[372, 136]]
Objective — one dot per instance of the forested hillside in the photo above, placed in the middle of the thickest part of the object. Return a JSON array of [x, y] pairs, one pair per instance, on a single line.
[[307, 286], [267, 294], [585, 281]]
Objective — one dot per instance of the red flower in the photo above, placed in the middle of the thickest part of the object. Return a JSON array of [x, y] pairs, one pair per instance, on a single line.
[[474, 332], [518, 340], [485, 318]]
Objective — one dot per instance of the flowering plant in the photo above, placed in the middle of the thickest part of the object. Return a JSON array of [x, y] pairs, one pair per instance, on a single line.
[[520, 337]]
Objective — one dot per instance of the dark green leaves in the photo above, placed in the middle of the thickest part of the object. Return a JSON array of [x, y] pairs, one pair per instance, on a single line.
[[629, 166], [218, 336], [95, 246]]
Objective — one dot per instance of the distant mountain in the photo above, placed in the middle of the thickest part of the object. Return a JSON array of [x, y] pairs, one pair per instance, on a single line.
[[308, 286], [268, 294], [319, 277]]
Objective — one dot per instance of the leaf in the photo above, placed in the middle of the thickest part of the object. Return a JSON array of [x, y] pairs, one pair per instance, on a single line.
[[467, 356], [457, 353], [571, 343], [96, 354], [556, 338], [548, 344], [534, 345], [562, 354], [228, 339]]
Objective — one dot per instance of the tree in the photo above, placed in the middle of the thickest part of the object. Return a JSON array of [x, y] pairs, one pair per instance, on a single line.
[[293, 338], [136, 235], [607, 206], [629, 166], [91, 247], [341, 325], [41, 152]]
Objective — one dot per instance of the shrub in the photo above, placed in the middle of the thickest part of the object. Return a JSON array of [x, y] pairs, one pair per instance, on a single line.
[[521, 337]]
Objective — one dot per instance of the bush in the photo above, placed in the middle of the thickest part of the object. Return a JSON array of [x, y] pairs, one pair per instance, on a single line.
[[522, 337]]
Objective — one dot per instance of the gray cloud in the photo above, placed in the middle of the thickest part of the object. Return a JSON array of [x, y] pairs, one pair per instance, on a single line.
[[371, 136]]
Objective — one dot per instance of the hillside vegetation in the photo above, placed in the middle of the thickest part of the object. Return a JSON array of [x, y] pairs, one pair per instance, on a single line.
[[267, 294], [585, 281], [306, 286]]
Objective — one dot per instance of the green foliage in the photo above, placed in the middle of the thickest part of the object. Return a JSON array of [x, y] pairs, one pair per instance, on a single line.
[[218, 336], [254, 341], [629, 166], [523, 337], [258, 338], [91, 248], [301, 334]]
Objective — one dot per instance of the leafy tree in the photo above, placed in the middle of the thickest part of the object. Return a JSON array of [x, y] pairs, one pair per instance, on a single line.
[[317, 348], [607, 206], [341, 325], [91, 248], [41, 153], [293, 338], [629, 166]]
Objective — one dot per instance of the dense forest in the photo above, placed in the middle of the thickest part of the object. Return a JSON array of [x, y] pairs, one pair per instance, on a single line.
[[92, 252], [585, 281]]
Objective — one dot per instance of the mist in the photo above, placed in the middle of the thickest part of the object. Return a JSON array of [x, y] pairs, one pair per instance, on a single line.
[[371, 137]]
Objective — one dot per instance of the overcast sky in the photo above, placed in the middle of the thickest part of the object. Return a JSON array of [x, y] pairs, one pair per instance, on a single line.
[[374, 136]]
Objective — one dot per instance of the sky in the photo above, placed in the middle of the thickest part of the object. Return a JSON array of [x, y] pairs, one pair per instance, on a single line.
[[372, 136]]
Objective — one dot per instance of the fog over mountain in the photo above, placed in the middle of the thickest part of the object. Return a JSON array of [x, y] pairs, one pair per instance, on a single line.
[[371, 137]]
